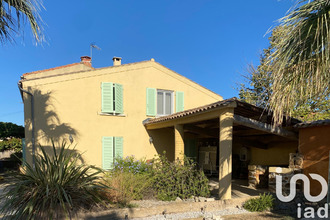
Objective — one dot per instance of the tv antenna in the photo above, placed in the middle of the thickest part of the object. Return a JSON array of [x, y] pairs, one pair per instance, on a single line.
[[93, 45]]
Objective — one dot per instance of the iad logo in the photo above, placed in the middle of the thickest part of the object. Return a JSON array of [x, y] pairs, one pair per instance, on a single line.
[[308, 212]]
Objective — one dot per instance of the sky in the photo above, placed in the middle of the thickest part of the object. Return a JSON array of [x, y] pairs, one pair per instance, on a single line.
[[208, 41]]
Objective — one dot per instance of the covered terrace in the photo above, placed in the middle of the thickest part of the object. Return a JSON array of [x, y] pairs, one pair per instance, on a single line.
[[213, 133]]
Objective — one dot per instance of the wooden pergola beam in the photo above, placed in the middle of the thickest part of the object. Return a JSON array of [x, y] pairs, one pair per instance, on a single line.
[[199, 130], [251, 143], [249, 132], [251, 123]]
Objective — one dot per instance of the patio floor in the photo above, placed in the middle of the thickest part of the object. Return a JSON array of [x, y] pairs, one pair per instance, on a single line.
[[240, 189]]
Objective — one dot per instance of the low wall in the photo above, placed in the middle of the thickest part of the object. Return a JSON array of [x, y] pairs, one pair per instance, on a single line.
[[258, 176], [295, 167]]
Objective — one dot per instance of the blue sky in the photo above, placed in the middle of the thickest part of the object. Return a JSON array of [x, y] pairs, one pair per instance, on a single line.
[[208, 41]]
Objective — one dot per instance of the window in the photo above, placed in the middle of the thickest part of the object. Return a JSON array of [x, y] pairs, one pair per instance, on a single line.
[[161, 102], [164, 102], [112, 98], [112, 147]]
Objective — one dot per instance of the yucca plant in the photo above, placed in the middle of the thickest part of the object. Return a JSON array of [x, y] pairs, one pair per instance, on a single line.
[[57, 187]]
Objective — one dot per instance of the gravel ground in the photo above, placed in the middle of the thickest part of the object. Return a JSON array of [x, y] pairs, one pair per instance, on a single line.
[[216, 215]]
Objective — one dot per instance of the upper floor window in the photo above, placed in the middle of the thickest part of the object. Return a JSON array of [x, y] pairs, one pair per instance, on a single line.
[[164, 102], [112, 98]]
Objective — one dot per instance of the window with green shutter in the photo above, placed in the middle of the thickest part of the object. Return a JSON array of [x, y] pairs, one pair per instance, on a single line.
[[112, 147], [112, 98], [160, 102], [179, 101], [151, 102]]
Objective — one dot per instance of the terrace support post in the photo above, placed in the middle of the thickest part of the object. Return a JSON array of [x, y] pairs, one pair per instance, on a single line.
[[225, 153], [179, 143]]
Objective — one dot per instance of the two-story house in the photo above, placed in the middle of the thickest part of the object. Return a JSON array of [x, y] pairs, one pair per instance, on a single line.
[[102, 110], [144, 109]]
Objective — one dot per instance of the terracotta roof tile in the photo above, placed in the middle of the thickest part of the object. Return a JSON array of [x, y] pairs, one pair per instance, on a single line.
[[190, 111], [55, 68]]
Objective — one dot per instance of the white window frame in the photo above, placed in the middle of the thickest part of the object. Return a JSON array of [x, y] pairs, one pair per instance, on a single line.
[[164, 101]]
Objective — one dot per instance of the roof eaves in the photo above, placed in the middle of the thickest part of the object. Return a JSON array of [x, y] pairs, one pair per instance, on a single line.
[[200, 109], [313, 123]]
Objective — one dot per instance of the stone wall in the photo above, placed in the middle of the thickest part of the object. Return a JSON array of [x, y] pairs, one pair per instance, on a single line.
[[258, 176], [295, 167]]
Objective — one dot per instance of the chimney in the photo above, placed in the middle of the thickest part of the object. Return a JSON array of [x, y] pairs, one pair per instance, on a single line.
[[116, 61], [86, 60]]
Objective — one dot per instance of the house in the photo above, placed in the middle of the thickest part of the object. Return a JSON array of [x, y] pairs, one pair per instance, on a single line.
[[314, 145], [103, 109], [143, 109]]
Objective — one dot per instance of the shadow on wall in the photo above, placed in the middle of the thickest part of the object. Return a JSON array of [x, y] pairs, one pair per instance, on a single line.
[[71, 150], [47, 124], [163, 140]]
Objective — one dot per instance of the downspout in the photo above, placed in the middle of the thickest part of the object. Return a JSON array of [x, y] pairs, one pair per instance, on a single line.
[[32, 119]]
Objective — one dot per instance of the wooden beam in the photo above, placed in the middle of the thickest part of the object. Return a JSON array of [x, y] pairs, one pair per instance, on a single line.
[[250, 143], [248, 122], [249, 132], [199, 130]]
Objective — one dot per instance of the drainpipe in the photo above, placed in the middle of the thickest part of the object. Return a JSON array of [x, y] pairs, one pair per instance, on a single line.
[[32, 119]]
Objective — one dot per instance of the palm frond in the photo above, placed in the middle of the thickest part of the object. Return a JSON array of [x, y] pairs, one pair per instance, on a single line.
[[13, 12], [300, 60]]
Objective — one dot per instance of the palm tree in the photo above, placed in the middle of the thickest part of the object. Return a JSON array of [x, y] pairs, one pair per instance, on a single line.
[[14, 12], [301, 56]]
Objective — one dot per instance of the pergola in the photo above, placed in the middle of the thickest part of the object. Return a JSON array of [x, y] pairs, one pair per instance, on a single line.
[[224, 120]]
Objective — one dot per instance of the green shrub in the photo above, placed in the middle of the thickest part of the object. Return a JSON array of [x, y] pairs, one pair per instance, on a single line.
[[263, 203], [11, 144], [57, 186], [127, 186], [130, 179], [173, 179], [132, 165]]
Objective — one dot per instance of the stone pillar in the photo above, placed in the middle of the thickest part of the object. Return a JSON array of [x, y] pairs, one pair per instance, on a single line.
[[258, 176], [179, 143], [225, 153]]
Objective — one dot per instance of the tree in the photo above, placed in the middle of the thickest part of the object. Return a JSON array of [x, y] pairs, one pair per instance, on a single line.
[[259, 88], [300, 59], [8, 129], [14, 12]]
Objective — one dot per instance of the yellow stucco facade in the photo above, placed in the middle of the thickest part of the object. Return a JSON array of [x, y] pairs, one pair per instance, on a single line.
[[67, 105]]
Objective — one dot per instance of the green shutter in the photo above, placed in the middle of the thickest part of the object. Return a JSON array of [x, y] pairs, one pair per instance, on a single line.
[[107, 97], [119, 147], [107, 153], [179, 101], [119, 99], [151, 101], [23, 150]]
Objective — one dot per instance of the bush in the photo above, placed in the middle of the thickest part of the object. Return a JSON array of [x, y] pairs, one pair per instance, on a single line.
[[131, 165], [126, 186], [57, 186], [130, 179], [11, 144], [263, 203], [172, 179]]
